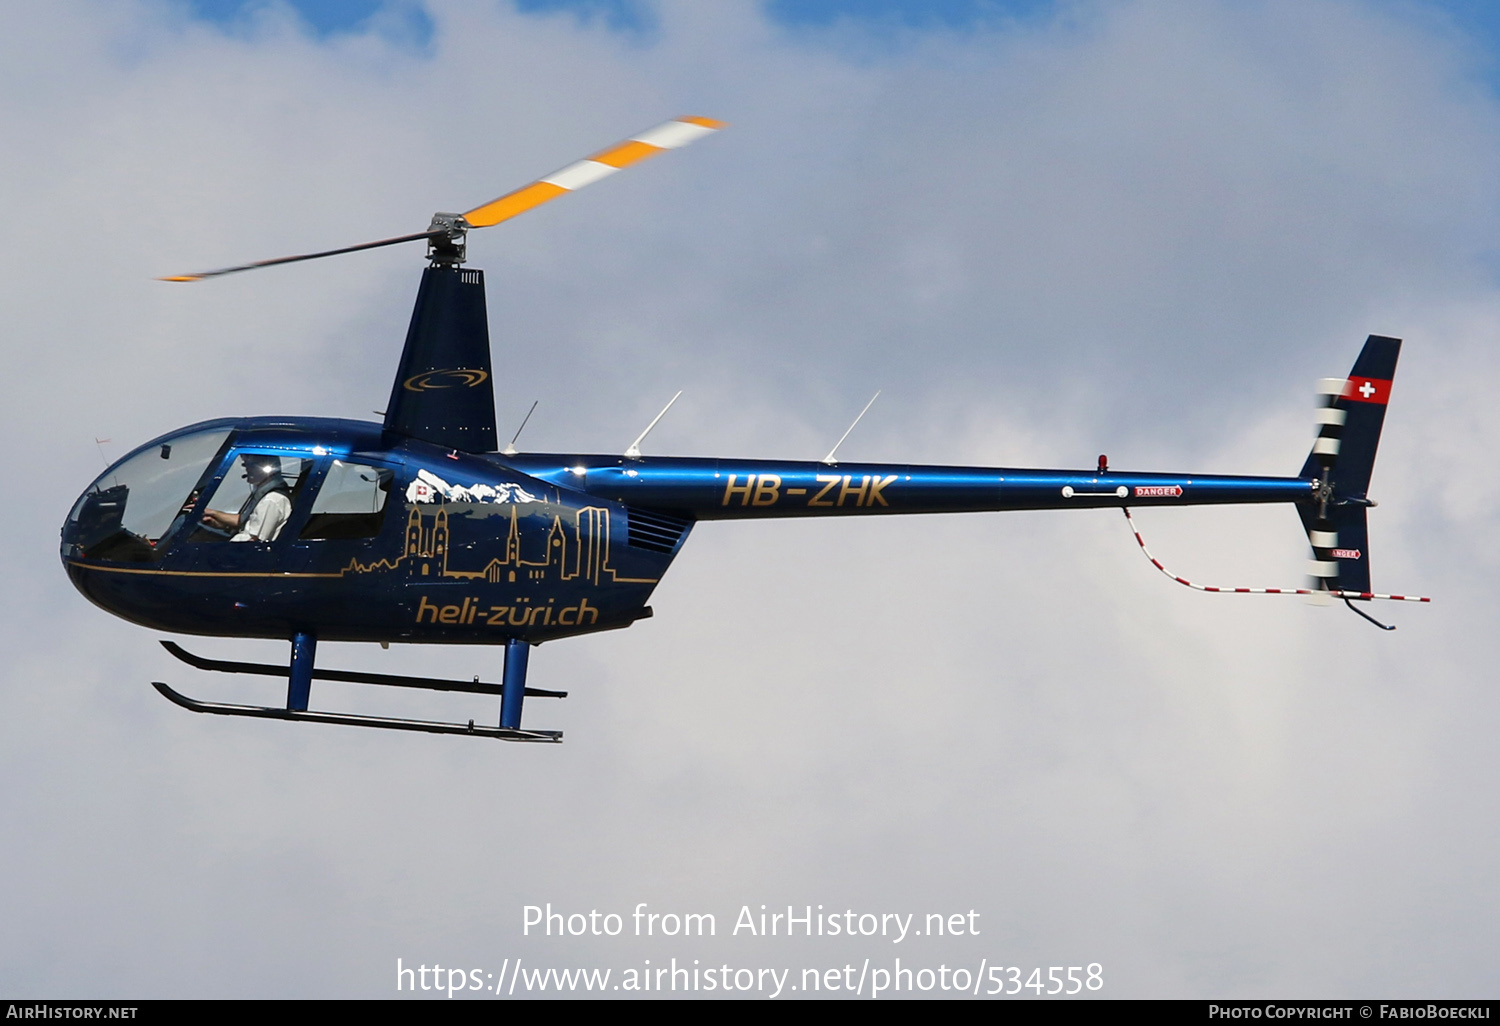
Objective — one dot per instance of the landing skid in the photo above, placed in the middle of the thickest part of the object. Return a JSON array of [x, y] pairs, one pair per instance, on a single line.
[[302, 672], [474, 687], [383, 722]]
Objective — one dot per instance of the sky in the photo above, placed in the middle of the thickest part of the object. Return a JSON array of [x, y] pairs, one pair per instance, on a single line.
[[1043, 230]]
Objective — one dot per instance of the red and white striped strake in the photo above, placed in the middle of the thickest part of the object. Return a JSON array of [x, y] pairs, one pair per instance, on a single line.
[[1261, 591]]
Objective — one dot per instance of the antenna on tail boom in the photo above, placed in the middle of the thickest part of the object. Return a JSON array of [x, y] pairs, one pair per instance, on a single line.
[[635, 447], [829, 458]]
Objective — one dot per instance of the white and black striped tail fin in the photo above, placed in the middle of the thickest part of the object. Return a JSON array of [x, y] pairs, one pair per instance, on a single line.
[[1342, 458]]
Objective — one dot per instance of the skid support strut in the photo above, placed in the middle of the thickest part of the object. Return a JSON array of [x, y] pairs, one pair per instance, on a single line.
[[517, 652], [299, 681]]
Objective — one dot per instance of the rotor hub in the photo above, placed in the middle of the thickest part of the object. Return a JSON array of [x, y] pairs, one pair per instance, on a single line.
[[447, 244]]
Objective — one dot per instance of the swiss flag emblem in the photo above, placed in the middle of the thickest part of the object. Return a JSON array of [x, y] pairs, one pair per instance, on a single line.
[[1368, 390]]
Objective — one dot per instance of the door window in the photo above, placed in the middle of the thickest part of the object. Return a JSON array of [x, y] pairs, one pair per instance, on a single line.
[[254, 500], [351, 503]]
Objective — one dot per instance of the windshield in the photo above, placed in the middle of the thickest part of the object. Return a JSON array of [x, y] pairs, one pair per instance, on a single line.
[[133, 504]]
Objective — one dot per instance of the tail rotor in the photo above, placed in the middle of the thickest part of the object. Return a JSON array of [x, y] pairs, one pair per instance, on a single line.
[[1323, 569]]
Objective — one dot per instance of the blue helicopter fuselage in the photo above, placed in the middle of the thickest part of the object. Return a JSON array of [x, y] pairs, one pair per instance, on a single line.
[[418, 530], [396, 539]]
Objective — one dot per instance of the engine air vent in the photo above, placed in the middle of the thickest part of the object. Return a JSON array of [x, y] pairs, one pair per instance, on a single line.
[[654, 530]]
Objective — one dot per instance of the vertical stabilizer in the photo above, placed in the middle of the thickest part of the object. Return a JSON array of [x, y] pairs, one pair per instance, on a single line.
[[1343, 458], [1356, 434]]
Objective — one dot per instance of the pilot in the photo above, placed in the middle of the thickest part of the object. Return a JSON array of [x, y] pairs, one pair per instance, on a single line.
[[265, 510]]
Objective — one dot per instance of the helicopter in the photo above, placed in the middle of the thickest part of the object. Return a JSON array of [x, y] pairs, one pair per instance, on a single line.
[[422, 529]]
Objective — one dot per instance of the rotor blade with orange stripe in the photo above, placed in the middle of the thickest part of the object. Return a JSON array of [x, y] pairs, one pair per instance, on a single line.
[[667, 136]]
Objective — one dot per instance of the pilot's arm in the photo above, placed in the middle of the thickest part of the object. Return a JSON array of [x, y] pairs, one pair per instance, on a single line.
[[266, 520], [223, 521]]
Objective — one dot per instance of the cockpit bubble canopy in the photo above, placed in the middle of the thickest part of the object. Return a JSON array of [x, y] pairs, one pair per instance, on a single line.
[[134, 503]]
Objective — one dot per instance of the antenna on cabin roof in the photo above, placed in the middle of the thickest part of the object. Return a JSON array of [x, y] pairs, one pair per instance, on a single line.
[[510, 449]]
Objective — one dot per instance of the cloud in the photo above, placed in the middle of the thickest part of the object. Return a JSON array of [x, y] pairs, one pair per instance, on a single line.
[[1132, 227]]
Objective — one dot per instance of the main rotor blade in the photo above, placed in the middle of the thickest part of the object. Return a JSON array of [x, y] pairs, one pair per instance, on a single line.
[[667, 136], [670, 135], [307, 256]]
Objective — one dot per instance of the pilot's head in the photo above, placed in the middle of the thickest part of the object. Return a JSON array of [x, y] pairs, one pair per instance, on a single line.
[[259, 468]]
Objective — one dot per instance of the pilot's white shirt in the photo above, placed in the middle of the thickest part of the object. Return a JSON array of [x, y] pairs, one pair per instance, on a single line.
[[267, 518]]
